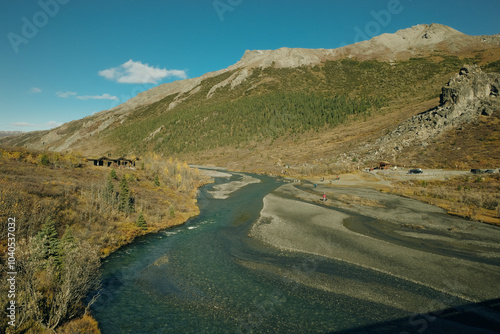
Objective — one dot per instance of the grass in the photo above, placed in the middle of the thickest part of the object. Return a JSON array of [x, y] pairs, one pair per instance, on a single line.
[[304, 98], [71, 193], [474, 145], [301, 115], [472, 197], [36, 187]]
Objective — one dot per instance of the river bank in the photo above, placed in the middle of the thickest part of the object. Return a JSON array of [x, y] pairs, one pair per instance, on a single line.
[[92, 210], [396, 236], [358, 259]]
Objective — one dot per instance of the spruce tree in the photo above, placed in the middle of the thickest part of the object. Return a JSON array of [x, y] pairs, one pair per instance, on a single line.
[[109, 191], [124, 204], [45, 160], [48, 236], [67, 243], [141, 222]]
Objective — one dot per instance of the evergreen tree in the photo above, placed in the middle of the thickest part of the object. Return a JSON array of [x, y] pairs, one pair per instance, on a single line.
[[109, 191], [141, 222], [124, 202], [157, 181], [113, 175], [48, 236], [66, 244]]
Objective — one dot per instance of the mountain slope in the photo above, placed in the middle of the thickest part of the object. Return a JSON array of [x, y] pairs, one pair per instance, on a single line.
[[282, 95]]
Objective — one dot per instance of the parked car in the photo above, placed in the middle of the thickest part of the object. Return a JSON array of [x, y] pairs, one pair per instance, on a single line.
[[476, 171], [489, 171], [415, 171]]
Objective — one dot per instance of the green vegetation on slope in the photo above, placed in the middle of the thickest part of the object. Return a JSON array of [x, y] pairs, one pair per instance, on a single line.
[[252, 118], [274, 102]]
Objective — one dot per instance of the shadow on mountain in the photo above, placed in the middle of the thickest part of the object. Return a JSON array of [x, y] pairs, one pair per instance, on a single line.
[[481, 317]]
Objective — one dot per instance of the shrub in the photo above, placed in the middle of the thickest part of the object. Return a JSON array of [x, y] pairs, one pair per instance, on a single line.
[[83, 325], [44, 160]]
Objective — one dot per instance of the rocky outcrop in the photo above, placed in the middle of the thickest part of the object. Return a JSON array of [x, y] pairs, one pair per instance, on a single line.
[[468, 87], [467, 95]]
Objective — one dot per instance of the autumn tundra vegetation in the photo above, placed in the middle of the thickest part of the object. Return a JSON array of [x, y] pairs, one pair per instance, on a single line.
[[69, 215], [474, 197]]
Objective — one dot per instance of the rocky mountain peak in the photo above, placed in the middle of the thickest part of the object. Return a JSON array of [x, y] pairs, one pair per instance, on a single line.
[[435, 40], [283, 57], [425, 33], [401, 45]]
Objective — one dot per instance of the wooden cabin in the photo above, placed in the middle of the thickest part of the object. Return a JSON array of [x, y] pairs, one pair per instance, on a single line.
[[110, 162], [384, 165]]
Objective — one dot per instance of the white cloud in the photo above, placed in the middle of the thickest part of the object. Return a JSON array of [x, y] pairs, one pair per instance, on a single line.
[[135, 72], [65, 94], [23, 125], [87, 97], [53, 124], [48, 125], [97, 97], [35, 90]]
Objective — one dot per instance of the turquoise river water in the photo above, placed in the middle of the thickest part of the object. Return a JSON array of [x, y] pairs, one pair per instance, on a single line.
[[196, 278]]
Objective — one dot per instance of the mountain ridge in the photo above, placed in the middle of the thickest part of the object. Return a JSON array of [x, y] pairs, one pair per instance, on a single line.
[[295, 57], [408, 65]]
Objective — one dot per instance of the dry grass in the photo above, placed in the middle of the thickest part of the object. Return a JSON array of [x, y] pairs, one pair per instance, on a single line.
[[472, 197], [474, 145], [312, 153], [63, 189], [73, 197], [85, 324], [352, 199]]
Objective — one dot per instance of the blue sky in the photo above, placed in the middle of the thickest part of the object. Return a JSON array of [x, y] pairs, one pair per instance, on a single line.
[[63, 60]]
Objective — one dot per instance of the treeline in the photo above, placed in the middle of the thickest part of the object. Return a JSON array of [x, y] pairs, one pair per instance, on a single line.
[[261, 117], [276, 102], [68, 215], [250, 118]]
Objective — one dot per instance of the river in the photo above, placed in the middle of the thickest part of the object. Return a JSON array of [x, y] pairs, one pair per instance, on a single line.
[[209, 276]]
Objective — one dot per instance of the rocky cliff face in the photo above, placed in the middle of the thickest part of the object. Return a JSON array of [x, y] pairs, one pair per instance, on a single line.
[[467, 95]]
